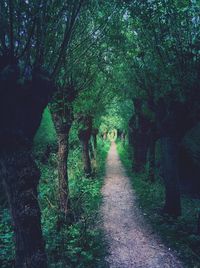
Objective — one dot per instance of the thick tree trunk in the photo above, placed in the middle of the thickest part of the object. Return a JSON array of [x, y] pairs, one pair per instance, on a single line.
[[21, 108], [170, 173], [21, 178], [63, 150], [140, 155]]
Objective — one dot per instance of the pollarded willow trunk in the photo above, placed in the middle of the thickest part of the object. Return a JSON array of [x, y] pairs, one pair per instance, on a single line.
[[62, 114], [63, 180], [198, 224], [139, 128], [94, 135], [21, 109], [138, 139], [169, 116], [152, 160], [86, 157], [84, 137], [21, 177], [140, 153], [171, 177], [152, 152], [62, 130]]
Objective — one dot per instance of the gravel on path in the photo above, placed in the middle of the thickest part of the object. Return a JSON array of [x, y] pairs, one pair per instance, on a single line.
[[131, 242]]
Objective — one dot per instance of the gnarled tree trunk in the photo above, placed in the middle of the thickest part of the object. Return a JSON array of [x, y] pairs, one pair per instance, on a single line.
[[21, 108]]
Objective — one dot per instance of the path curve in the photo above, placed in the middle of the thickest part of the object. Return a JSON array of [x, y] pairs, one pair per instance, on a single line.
[[131, 242]]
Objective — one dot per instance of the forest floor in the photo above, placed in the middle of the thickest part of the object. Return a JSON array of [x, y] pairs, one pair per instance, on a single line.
[[131, 241]]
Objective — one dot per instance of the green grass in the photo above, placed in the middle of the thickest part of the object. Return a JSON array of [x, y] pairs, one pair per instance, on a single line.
[[79, 243], [180, 234]]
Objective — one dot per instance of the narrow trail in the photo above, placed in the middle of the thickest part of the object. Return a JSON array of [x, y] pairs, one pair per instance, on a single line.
[[130, 239]]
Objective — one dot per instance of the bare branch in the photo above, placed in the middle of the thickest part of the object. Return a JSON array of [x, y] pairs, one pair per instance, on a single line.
[[67, 36]]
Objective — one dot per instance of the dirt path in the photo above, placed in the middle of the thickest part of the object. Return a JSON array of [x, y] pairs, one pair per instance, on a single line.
[[131, 242]]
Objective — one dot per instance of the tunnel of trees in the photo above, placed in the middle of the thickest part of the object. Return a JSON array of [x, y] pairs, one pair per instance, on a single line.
[[75, 74]]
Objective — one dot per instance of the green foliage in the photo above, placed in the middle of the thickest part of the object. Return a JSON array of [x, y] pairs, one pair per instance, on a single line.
[[79, 243], [46, 133], [177, 234], [102, 56]]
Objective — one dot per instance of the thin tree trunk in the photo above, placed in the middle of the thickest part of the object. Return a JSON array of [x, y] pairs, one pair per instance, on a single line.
[[140, 153], [170, 173], [152, 160], [86, 157], [62, 130], [63, 150], [21, 177], [198, 224], [95, 145], [94, 135], [84, 137]]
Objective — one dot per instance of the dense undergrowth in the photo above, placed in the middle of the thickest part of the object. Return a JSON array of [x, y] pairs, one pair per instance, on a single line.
[[79, 242], [180, 234]]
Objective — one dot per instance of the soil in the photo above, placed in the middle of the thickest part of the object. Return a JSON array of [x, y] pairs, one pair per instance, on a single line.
[[131, 241]]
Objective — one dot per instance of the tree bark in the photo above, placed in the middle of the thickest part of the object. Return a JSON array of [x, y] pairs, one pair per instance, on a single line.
[[21, 109], [94, 135], [95, 145], [152, 161], [198, 224], [62, 130], [84, 137], [152, 158], [170, 173], [140, 153], [139, 128], [63, 151], [86, 158], [21, 177], [62, 114]]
